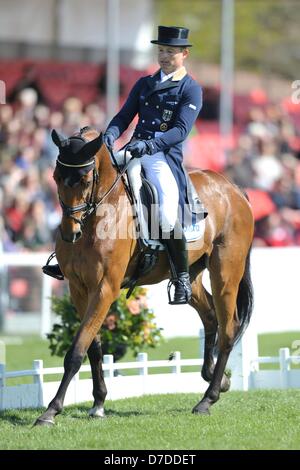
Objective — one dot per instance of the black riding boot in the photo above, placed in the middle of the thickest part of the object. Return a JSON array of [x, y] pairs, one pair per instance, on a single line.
[[178, 255], [53, 270]]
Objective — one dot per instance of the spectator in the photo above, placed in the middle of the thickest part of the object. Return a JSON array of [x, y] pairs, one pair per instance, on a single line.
[[29, 80], [265, 158]]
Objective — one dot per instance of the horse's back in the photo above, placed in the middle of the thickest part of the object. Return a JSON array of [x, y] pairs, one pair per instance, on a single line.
[[225, 202]]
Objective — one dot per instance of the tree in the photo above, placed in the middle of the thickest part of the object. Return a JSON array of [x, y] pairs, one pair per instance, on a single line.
[[267, 33]]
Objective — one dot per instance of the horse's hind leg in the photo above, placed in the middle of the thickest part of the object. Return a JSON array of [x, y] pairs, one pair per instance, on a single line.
[[226, 274], [203, 303], [99, 387]]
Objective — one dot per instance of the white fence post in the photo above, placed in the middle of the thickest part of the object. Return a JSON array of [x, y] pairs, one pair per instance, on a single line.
[[108, 359], [240, 359], [284, 356], [143, 358], [38, 379], [75, 381], [46, 306], [143, 371], [201, 342], [176, 368]]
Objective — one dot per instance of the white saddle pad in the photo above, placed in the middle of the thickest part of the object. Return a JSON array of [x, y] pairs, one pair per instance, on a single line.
[[192, 233]]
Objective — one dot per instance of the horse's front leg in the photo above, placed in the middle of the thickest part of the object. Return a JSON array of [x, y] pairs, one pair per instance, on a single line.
[[98, 307], [99, 387]]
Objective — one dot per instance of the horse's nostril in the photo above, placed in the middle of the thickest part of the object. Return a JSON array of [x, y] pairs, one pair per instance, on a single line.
[[78, 235]]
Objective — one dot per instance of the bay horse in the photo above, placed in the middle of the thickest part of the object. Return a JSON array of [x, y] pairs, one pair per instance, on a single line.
[[96, 268]]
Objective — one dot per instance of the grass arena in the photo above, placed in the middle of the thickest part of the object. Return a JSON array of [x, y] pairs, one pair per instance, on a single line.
[[263, 419]]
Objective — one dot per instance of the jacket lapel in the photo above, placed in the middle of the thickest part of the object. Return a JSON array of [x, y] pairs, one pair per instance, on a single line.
[[153, 80], [155, 84]]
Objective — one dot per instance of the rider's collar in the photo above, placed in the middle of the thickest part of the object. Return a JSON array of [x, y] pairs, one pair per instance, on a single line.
[[179, 74], [175, 76]]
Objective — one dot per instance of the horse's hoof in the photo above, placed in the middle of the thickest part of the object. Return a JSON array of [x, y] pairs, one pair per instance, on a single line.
[[200, 410], [44, 422], [225, 384], [97, 412]]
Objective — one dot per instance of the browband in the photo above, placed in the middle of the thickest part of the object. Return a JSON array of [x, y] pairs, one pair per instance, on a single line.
[[76, 166]]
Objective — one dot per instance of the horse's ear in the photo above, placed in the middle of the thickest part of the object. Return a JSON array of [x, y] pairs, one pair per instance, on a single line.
[[91, 148], [58, 139]]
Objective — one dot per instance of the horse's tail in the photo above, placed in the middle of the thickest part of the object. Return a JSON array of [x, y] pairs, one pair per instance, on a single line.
[[244, 299]]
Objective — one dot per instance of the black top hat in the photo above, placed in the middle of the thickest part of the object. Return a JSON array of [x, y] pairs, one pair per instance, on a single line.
[[172, 36]]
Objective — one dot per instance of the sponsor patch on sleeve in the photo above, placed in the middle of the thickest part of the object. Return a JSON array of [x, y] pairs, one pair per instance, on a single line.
[[192, 106]]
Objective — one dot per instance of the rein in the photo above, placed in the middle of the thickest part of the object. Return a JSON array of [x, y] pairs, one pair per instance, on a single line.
[[90, 206]]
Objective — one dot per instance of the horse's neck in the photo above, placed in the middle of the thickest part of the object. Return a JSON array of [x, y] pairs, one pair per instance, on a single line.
[[107, 175]]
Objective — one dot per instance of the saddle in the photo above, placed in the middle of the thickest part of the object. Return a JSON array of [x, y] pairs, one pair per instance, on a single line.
[[145, 204]]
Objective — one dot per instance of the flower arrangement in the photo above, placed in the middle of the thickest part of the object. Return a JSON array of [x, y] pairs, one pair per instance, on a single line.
[[129, 324]]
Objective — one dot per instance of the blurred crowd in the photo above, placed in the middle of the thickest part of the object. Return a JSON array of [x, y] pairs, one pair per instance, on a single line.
[[29, 207], [265, 161]]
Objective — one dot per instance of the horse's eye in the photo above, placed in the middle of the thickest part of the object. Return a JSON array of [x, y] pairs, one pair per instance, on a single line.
[[86, 184]]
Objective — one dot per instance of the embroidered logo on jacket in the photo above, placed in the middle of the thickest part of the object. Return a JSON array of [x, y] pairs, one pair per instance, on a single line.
[[167, 115]]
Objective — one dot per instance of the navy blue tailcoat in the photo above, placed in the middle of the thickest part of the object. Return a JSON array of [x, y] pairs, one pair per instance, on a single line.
[[170, 107]]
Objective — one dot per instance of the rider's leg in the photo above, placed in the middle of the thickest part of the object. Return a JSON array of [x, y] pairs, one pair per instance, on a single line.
[[159, 173], [175, 244]]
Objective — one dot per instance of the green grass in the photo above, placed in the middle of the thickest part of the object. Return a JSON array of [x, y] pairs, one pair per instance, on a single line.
[[240, 420]]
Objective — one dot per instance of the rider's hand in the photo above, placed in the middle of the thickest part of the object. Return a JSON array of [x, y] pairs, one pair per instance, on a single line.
[[138, 148], [109, 140]]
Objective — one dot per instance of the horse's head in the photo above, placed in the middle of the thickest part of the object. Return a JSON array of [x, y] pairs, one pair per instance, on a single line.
[[76, 175]]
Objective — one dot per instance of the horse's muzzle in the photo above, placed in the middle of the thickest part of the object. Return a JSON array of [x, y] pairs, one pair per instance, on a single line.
[[72, 237]]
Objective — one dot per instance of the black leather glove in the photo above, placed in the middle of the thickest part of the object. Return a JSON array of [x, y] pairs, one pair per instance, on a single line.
[[138, 148], [109, 140]]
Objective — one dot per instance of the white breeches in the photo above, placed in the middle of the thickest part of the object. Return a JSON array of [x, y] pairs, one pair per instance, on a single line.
[[159, 173]]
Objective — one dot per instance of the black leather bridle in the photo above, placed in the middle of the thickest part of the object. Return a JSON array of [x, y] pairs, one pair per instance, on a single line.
[[90, 206]]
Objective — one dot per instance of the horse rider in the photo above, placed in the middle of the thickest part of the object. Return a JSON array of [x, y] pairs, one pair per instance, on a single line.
[[167, 104]]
